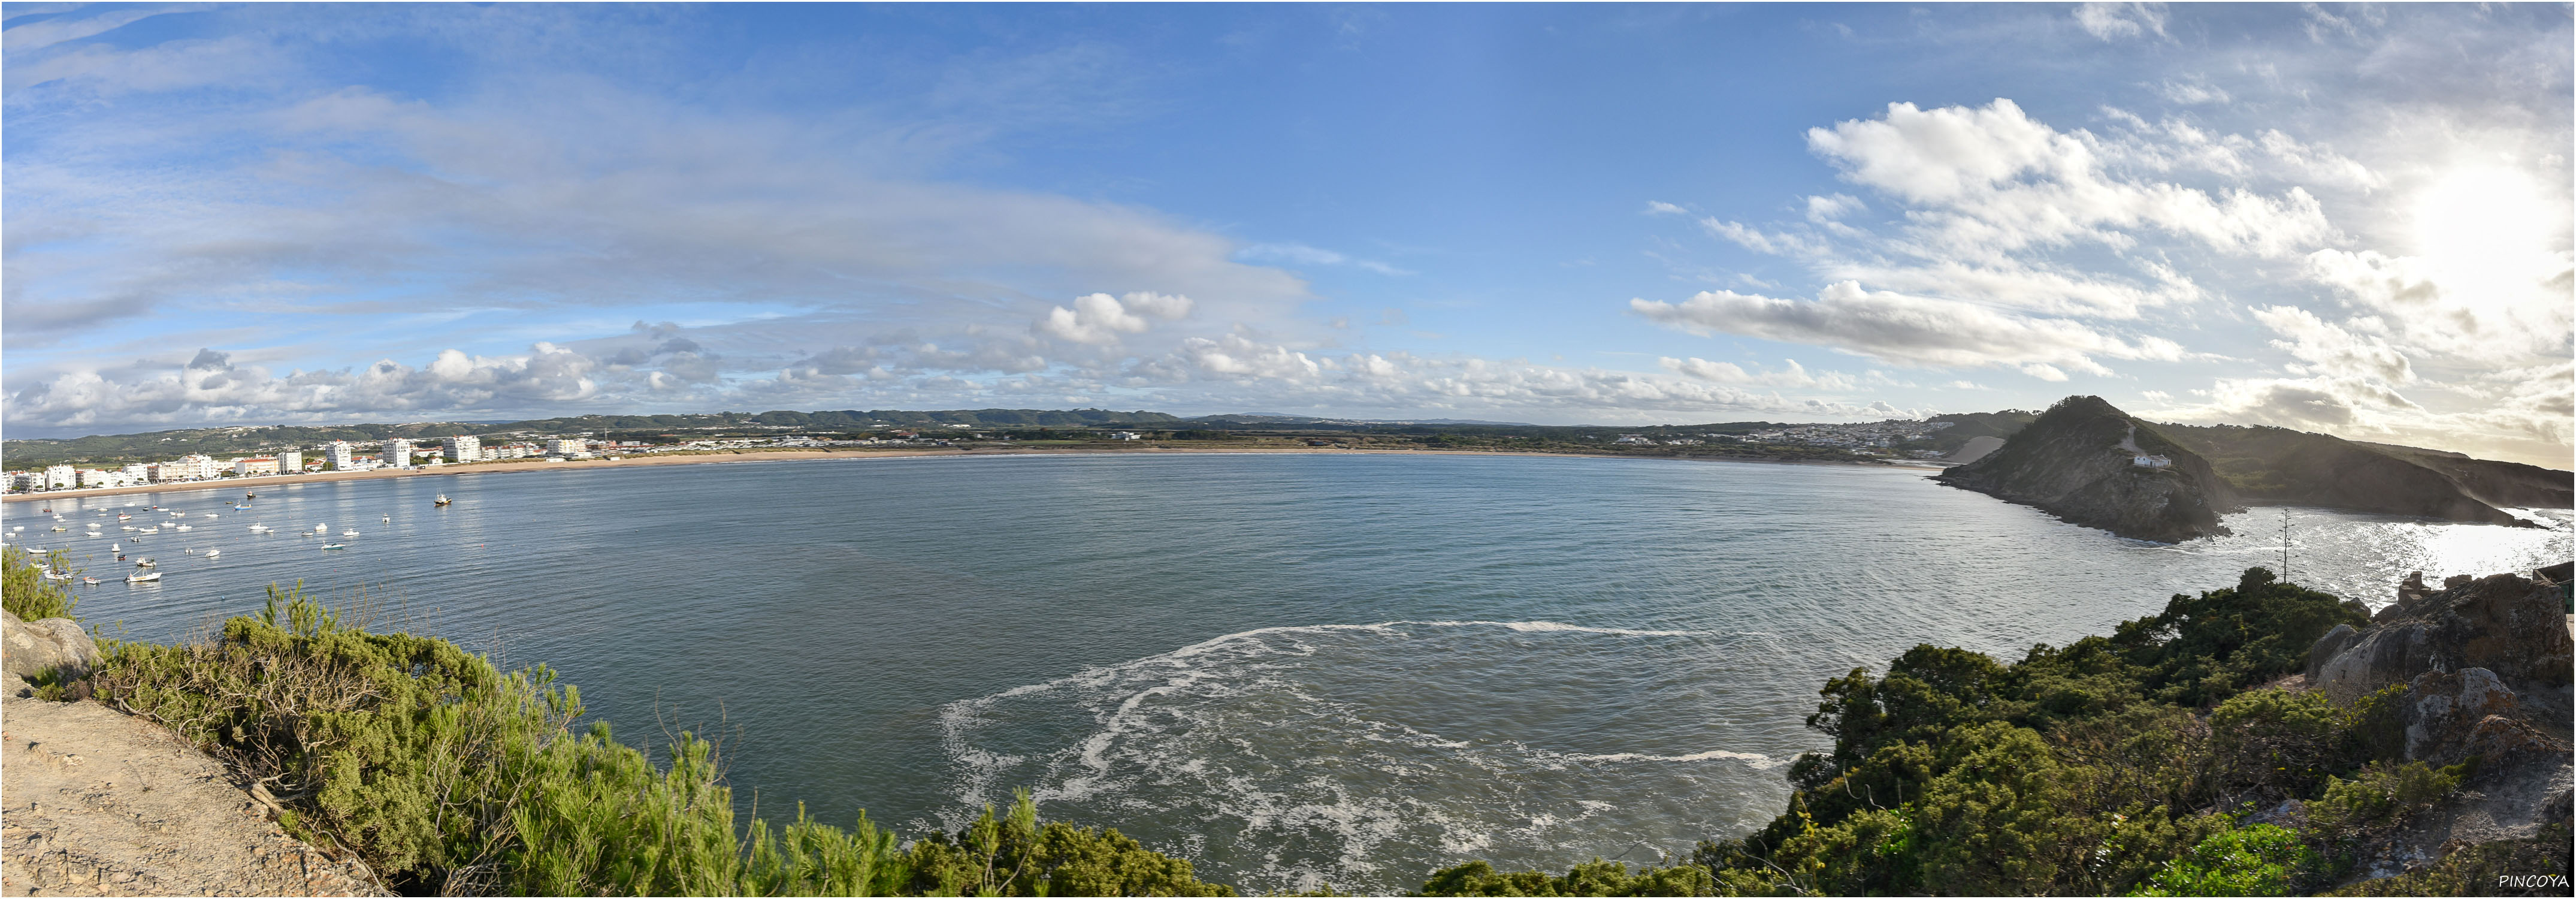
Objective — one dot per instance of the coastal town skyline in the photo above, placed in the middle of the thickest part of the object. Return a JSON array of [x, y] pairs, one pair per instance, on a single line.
[[2347, 220]]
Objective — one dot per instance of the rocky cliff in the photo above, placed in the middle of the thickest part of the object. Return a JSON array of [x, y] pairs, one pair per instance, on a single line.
[[2482, 670], [2076, 462]]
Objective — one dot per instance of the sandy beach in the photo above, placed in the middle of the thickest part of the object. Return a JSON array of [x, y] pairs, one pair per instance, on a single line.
[[256, 484]]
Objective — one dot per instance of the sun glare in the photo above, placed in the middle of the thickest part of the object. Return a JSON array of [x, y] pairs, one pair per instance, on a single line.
[[2486, 231]]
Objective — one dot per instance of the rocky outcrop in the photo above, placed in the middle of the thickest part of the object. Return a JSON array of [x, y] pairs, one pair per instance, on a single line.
[[2077, 462], [30, 648], [2505, 624], [2484, 665]]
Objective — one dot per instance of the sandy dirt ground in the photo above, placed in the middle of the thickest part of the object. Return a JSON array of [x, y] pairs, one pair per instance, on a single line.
[[94, 802]]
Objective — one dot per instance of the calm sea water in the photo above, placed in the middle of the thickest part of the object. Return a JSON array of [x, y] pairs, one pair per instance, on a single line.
[[1296, 670]]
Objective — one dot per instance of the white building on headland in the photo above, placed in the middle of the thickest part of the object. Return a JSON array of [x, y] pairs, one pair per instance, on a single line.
[[464, 448], [2146, 461], [397, 452]]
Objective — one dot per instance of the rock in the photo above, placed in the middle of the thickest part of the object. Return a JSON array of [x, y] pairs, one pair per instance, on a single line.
[[2452, 716], [29, 648], [2507, 625], [2077, 462], [2327, 647]]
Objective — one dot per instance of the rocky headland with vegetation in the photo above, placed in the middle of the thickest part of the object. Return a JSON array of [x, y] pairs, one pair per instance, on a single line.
[[2079, 461]]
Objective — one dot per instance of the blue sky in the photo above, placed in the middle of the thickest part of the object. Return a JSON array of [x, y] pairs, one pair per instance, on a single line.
[[2349, 219]]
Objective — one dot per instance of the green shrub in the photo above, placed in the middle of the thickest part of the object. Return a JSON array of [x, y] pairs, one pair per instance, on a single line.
[[24, 590], [445, 775], [1592, 878], [2261, 860]]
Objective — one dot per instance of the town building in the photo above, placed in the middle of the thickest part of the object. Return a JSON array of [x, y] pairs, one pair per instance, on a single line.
[[138, 473], [290, 462], [567, 447], [464, 448], [254, 465], [397, 452], [61, 477], [340, 456]]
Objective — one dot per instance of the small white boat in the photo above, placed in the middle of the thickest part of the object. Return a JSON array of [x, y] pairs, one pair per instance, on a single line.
[[348, 533], [389, 518], [89, 580], [213, 553], [53, 575], [115, 548], [59, 529], [261, 529], [186, 526], [335, 546], [145, 562], [126, 527], [143, 577]]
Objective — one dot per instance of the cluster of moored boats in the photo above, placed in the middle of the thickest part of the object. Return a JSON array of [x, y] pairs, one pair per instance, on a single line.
[[146, 570]]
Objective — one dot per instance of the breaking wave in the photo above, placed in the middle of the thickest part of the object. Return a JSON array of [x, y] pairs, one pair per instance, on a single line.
[[1364, 756]]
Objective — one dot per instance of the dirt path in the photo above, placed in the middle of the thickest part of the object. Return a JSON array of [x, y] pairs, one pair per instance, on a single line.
[[94, 802]]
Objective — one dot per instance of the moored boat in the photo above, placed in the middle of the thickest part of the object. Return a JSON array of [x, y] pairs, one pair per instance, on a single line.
[[143, 577], [335, 546], [442, 500]]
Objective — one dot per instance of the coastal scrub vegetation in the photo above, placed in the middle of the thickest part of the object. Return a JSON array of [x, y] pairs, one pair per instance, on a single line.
[[26, 593], [2149, 762], [445, 775]]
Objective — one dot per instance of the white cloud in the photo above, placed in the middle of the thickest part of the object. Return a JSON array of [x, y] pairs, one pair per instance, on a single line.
[[1986, 180], [1095, 318], [1902, 329], [2333, 351], [2043, 371], [2109, 21], [1789, 374], [1659, 207]]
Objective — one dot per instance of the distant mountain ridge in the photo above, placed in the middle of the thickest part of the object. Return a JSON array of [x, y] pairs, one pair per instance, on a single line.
[[2079, 462]]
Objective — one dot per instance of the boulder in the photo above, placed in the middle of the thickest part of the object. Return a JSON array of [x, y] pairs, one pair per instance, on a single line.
[[2509, 626], [2451, 716], [29, 648]]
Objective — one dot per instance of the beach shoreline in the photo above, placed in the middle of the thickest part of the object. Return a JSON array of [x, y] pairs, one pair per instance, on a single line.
[[255, 484]]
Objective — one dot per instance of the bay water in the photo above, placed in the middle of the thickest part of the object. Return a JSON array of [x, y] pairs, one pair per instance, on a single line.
[[1295, 670]]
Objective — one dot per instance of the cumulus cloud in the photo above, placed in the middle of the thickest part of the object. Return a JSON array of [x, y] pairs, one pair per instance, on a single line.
[[209, 387], [1902, 329], [1789, 374], [1989, 179]]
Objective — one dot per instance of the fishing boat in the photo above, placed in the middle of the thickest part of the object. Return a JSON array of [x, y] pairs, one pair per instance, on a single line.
[[335, 546], [261, 529], [59, 528], [213, 515], [89, 580], [348, 533], [115, 548], [143, 577], [213, 553], [186, 526], [442, 500], [53, 575], [146, 562], [247, 497]]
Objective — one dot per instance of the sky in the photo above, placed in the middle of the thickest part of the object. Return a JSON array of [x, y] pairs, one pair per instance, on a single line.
[[2347, 219]]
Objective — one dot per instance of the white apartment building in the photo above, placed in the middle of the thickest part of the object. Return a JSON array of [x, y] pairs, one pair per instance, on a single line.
[[290, 462], [567, 447], [199, 467], [61, 477], [255, 465], [138, 473], [340, 455], [23, 481], [464, 448], [397, 452]]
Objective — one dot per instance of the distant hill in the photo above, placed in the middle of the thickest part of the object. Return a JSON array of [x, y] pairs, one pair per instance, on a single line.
[[2075, 462], [240, 440]]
